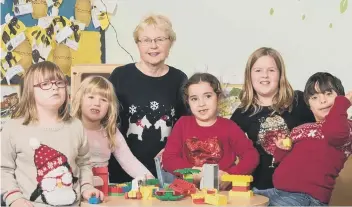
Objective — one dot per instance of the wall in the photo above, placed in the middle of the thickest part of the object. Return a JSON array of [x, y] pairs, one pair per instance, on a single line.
[[218, 36]]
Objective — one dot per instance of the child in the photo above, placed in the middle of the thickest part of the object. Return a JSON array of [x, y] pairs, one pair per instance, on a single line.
[[205, 137], [269, 106], [307, 172], [44, 153], [95, 104]]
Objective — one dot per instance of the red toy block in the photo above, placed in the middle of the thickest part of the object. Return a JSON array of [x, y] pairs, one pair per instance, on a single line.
[[103, 173], [183, 187], [241, 188]]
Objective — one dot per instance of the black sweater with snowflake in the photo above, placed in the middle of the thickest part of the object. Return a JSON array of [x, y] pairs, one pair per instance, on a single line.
[[149, 107], [263, 127]]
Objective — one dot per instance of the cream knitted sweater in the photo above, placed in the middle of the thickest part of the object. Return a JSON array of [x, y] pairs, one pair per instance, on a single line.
[[47, 166]]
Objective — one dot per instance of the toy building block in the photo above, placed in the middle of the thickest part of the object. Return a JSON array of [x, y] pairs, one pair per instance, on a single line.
[[126, 187], [198, 198], [240, 185], [94, 200], [116, 190], [215, 199], [183, 187], [133, 194], [148, 192], [287, 142], [103, 173], [187, 173], [210, 177], [154, 182], [168, 195]]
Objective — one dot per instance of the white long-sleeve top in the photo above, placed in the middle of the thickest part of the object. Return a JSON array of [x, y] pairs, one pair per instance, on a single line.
[[100, 153]]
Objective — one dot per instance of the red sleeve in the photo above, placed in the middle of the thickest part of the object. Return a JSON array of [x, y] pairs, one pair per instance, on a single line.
[[243, 147], [172, 158], [336, 128], [279, 154]]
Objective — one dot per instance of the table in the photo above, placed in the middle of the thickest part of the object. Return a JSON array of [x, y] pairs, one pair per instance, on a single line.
[[256, 200]]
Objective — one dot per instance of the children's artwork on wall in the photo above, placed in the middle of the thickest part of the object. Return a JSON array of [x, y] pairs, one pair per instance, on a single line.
[[230, 100], [10, 96], [22, 7]]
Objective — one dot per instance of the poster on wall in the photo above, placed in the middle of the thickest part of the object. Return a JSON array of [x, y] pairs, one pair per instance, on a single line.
[[230, 100], [10, 96]]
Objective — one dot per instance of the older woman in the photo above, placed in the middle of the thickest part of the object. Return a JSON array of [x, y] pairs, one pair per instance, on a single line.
[[150, 95]]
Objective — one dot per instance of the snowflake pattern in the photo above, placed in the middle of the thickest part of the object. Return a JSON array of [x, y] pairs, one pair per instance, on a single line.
[[59, 160], [133, 109], [312, 133], [172, 112], [154, 105], [40, 172], [50, 165]]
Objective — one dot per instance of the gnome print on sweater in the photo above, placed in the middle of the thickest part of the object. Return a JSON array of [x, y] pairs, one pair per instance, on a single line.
[[54, 176], [152, 117]]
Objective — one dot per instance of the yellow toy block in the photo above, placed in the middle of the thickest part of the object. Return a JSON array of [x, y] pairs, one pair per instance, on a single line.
[[247, 194], [237, 178], [242, 184], [147, 192], [215, 199]]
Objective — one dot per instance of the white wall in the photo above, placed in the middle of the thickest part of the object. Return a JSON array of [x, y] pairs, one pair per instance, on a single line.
[[220, 35]]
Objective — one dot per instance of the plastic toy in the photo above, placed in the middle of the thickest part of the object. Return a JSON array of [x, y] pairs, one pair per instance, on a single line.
[[133, 194], [210, 177], [183, 187], [287, 142], [187, 173], [209, 196], [215, 199], [103, 173], [240, 185], [148, 192], [94, 200], [154, 182], [168, 195]]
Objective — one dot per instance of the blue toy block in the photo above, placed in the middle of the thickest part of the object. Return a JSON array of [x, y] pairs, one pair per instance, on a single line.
[[94, 200]]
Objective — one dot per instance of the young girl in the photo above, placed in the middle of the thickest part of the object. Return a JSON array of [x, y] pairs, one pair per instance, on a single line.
[[307, 172], [96, 105], [205, 137], [44, 153], [269, 107]]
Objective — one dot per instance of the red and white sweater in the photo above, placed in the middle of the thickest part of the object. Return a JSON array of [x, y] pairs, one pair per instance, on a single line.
[[318, 154]]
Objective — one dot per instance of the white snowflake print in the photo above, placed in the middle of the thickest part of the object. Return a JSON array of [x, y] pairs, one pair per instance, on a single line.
[[50, 165], [40, 173], [133, 109], [154, 105], [59, 160], [172, 112], [312, 133]]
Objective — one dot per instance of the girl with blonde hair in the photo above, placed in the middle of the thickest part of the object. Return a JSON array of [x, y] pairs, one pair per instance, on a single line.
[[44, 152], [269, 108], [96, 105]]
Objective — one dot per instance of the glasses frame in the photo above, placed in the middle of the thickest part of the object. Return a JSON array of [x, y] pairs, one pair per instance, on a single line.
[[52, 83], [157, 41]]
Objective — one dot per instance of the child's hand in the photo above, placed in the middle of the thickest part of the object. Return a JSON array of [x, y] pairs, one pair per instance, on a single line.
[[198, 176], [349, 96], [224, 185], [93, 192], [21, 203], [283, 142]]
